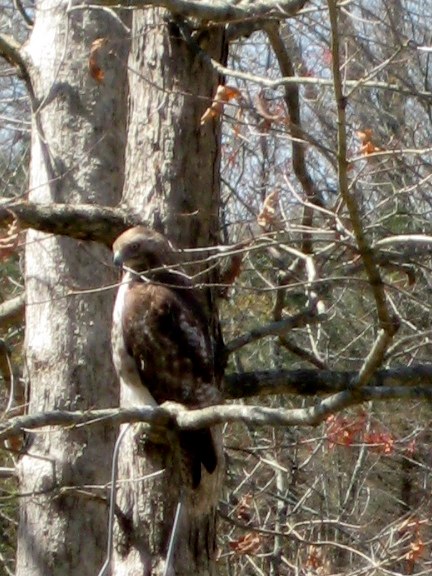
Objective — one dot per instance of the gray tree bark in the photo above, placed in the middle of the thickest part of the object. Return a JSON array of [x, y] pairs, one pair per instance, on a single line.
[[79, 126], [172, 166]]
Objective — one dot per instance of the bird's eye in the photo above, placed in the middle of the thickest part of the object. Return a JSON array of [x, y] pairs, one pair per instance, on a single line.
[[134, 247]]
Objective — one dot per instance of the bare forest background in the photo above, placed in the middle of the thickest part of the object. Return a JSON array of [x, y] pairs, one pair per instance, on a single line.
[[324, 256]]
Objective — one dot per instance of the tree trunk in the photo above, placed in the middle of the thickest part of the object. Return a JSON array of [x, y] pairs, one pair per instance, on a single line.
[[172, 166], [77, 156]]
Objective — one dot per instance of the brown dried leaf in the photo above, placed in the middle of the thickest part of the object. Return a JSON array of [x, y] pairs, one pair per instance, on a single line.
[[230, 274], [367, 147], [365, 135], [416, 550], [268, 216], [239, 120], [223, 95], [243, 508], [96, 71]]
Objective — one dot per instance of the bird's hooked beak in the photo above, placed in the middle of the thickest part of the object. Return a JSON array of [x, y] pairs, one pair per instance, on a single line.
[[117, 259]]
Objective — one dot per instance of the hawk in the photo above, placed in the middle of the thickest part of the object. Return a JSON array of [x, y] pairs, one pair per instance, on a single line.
[[162, 348]]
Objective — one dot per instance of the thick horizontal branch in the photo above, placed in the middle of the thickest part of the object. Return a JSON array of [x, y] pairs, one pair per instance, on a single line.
[[320, 382], [216, 10], [174, 414], [18, 424], [390, 385], [81, 221]]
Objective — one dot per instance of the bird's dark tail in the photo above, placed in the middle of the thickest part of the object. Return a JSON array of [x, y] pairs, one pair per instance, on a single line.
[[198, 449]]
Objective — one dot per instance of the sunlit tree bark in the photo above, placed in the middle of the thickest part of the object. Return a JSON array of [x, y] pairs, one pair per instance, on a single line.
[[77, 155], [172, 167]]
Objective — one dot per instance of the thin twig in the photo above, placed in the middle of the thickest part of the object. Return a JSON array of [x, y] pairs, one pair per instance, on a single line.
[[278, 328], [112, 504], [27, 19], [174, 532]]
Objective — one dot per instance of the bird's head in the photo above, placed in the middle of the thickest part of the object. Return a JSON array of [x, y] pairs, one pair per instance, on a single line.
[[143, 249]]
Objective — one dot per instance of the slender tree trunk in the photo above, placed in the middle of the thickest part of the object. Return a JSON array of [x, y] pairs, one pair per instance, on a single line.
[[172, 169], [77, 156]]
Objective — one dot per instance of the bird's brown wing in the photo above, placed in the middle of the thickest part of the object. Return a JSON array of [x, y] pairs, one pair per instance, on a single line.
[[174, 358]]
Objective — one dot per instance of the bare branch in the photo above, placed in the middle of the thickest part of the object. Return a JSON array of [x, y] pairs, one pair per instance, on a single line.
[[320, 382], [316, 81], [10, 50], [81, 221], [301, 352], [174, 414], [12, 311], [215, 10], [27, 19], [387, 322], [293, 104], [404, 239], [278, 328], [19, 424], [7, 473], [375, 356]]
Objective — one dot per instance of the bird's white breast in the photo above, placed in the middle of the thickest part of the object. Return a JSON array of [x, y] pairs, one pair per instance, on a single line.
[[133, 392]]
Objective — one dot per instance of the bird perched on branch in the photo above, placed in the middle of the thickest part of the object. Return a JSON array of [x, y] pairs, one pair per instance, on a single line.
[[162, 349]]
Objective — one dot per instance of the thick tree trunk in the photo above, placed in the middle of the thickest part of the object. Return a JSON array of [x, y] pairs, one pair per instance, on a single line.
[[172, 166], [77, 156]]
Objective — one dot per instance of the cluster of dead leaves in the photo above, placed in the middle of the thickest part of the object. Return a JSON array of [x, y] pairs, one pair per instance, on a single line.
[[250, 543], [367, 144], [380, 441], [417, 547], [315, 561], [343, 431]]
